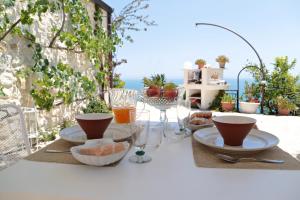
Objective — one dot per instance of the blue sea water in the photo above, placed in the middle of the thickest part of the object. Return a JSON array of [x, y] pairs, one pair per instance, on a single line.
[[137, 84]]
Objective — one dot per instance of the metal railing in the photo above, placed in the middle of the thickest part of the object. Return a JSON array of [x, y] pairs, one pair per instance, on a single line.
[[293, 96]]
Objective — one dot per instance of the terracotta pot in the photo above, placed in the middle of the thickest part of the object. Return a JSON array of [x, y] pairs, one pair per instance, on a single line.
[[170, 94], [227, 106], [153, 91], [94, 124], [200, 66], [234, 129], [222, 64], [283, 111]]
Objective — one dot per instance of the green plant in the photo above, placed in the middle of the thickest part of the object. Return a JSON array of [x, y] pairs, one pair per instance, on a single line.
[[79, 35], [216, 103], [66, 124], [61, 83], [200, 62], [158, 80], [227, 99], [285, 103], [117, 82], [96, 105], [170, 86], [222, 59], [251, 92], [2, 94], [279, 82], [48, 135]]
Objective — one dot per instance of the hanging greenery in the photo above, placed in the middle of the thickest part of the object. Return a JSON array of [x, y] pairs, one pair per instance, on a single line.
[[60, 83]]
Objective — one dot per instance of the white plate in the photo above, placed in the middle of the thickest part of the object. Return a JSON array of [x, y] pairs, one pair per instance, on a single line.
[[255, 141], [98, 160], [76, 135]]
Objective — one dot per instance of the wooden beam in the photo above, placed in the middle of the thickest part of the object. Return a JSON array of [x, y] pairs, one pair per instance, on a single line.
[[104, 6]]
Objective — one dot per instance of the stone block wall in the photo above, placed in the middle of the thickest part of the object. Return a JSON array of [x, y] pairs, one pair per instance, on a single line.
[[15, 55]]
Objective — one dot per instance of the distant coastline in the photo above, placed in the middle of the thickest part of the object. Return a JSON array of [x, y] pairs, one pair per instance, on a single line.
[[137, 84]]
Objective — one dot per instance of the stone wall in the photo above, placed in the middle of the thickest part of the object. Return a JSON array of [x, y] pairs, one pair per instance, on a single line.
[[15, 55]]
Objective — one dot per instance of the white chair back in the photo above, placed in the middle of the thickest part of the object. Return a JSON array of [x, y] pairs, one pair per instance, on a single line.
[[14, 143]]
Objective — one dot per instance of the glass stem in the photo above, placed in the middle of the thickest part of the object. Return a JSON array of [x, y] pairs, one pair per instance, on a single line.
[[164, 120]]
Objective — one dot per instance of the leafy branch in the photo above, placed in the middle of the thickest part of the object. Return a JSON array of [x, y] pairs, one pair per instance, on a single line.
[[10, 29], [62, 24], [61, 84], [130, 19]]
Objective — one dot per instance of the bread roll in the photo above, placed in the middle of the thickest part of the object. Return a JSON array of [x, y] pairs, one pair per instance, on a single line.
[[103, 150]]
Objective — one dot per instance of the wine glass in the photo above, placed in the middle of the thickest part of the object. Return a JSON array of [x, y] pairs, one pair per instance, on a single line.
[[183, 115], [140, 129]]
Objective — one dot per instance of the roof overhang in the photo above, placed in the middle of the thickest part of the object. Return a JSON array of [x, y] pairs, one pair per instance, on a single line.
[[104, 6]]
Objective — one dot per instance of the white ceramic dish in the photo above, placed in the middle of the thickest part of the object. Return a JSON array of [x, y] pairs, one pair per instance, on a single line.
[[98, 160], [76, 135], [249, 107], [255, 141]]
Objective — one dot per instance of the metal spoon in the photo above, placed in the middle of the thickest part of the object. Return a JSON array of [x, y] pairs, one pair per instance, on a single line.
[[56, 151], [248, 159]]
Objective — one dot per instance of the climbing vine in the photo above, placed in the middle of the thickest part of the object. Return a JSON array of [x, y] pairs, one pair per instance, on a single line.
[[60, 83]]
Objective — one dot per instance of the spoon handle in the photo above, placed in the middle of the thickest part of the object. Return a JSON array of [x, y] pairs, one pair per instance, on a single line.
[[262, 160], [271, 161], [56, 151]]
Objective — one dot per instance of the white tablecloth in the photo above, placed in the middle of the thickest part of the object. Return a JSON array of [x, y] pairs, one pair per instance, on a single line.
[[171, 175]]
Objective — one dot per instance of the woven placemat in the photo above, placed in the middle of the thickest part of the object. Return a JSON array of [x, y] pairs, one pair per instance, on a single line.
[[205, 157], [66, 158]]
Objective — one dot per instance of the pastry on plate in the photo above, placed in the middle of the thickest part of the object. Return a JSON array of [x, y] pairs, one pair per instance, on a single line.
[[206, 115], [200, 121]]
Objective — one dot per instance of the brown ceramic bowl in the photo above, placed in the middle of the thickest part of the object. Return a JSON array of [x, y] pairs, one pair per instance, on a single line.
[[94, 124], [234, 129]]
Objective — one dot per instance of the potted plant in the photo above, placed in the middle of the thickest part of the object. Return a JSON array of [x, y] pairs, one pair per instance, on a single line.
[[228, 103], [201, 63], [170, 91], [96, 105], [250, 102], [156, 86], [285, 106], [222, 60]]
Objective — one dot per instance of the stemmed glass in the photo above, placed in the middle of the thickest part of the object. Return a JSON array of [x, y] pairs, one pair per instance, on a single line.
[[183, 114], [140, 129]]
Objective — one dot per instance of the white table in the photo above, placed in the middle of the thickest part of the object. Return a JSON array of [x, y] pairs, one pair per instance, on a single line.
[[172, 174]]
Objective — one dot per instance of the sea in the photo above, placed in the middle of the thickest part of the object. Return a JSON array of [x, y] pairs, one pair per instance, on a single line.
[[137, 84]]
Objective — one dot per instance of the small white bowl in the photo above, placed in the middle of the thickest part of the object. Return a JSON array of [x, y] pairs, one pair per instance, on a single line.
[[98, 160]]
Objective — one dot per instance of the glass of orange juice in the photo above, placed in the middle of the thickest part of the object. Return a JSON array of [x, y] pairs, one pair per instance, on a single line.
[[123, 103]]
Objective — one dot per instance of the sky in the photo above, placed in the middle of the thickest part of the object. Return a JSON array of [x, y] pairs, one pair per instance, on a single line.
[[271, 26]]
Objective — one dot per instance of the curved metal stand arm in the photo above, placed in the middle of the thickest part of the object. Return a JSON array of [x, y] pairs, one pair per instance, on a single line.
[[259, 58]]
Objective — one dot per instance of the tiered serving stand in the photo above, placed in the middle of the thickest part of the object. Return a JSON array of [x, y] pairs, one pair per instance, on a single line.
[[162, 104]]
